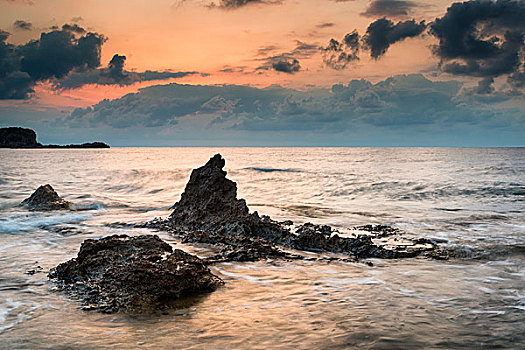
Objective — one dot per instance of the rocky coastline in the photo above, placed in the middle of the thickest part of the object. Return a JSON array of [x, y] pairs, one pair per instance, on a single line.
[[143, 273], [16, 137], [209, 212]]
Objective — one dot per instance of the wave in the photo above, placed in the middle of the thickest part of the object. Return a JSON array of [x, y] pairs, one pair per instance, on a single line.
[[272, 170], [23, 222]]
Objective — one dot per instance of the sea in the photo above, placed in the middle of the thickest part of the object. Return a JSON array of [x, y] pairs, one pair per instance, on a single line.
[[470, 200]]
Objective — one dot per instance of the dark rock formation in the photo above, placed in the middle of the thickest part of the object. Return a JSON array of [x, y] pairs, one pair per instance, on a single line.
[[82, 145], [132, 274], [209, 201], [209, 212], [15, 137], [18, 138], [45, 198]]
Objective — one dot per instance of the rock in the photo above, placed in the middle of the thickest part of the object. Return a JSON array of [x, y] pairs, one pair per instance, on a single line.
[[132, 274], [18, 138], [209, 201], [82, 145], [45, 198], [210, 212]]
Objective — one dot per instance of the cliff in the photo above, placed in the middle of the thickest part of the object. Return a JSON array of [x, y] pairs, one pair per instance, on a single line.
[[18, 138]]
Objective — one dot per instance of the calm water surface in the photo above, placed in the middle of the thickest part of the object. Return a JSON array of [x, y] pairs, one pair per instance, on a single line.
[[470, 198]]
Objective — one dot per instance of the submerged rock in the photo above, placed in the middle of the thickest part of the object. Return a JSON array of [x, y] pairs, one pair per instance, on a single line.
[[210, 212], [45, 198], [132, 274]]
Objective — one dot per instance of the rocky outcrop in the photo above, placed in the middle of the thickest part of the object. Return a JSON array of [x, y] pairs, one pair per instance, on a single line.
[[132, 274], [209, 201], [18, 138], [15, 137], [82, 145], [210, 212], [45, 198]]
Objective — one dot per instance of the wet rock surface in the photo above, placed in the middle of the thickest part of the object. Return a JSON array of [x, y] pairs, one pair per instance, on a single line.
[[132, 274], [210, 212], [45, 198]]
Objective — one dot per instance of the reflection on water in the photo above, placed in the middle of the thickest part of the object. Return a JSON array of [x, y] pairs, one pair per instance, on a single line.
[[473, 198]]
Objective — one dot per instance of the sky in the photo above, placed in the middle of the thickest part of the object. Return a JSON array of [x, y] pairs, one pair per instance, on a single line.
[[265, 72]]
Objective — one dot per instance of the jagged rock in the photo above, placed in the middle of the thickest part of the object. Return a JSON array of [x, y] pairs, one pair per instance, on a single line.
[[45, 198], [209, 201], [132, 274], [210, 212]]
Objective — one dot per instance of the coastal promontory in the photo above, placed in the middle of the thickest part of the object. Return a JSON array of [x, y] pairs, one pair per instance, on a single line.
[[16, 137]]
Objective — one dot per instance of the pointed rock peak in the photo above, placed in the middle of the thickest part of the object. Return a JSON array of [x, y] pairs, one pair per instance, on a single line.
[[209, 198], [45, 198], [216, 162]]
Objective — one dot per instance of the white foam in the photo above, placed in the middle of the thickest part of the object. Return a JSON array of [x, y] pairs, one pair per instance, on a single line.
[[22, 222], [246, 277]]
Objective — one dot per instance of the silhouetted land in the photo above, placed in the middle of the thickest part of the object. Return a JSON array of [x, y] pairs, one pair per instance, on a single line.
[[15, 137]]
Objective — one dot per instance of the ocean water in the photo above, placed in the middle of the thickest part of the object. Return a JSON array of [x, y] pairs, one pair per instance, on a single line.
[[470, 199]]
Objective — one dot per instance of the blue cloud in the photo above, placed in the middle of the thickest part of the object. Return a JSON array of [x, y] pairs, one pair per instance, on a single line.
[[409, 105]]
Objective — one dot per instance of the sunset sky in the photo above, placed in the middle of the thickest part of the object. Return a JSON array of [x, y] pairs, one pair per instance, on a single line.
[[265, 72]]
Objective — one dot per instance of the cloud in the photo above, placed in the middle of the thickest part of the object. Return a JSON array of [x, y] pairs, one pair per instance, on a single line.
[[52, 56], [74, 28], [338, 55], [382, 33], [389, 8], [325, 25], [22, 25], [114, 74], [397, 103], [482, 39], [287, 62], [484, 87], [235, 4], [287, 66], [379, 36]]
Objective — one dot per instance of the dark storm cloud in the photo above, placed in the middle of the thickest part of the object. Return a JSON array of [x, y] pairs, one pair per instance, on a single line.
[[389, 8], [52, 56], [116, 68], [397, 102], [22, 25], [338, 55], [483, 39], [379, 36], [382, 33], [114, 74], [287, 66], [57, 53]]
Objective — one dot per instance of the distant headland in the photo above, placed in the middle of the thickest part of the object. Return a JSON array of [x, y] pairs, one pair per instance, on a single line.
[[15, 137]]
